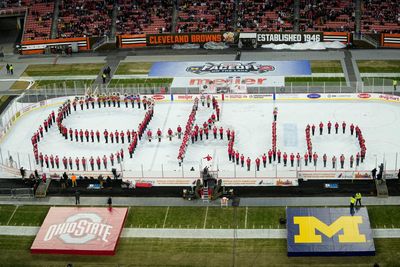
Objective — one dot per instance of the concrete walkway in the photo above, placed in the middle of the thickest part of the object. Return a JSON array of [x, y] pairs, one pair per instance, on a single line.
[[194, 233], [170, 201]]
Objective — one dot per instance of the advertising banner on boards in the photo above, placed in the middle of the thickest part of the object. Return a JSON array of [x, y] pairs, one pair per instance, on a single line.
[[227, 82], [230, 68]]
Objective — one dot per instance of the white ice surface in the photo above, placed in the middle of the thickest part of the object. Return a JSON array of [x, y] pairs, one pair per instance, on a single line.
[[379, 122]]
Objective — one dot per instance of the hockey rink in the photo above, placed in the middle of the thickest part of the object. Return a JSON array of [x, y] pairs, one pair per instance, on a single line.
[[251, 121]]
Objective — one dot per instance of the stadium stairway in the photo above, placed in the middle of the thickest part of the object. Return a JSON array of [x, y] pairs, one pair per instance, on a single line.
[[112, 61], [349, 69], [54, 30]]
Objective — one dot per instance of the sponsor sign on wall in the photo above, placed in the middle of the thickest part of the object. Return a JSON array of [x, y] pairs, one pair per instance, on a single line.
[[322, 175], [328, 232], [230, 68], [76, 230], [189, 38], [251, 81], [288, 37]]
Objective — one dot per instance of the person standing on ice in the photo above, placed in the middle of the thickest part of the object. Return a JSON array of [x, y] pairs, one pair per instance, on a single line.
[[342, 161], [313, 129], [215, 132], [344, 127], [46, 160], [334, 162], [105, 162], [170, 134], [329, 127], [221, 133], [306, 159], [45, 124], [270, 156], [81, 135], [52, 161], [116, 136], [92, 135], [179, 131], [122, 136], [258, 164], [159, 135], [65, 162], [278, 154], [248, 162], [358, 159], [83, 163], [106, 135], [202, 99], [41, 130], [264, 160], [351, 129], [118, 157], [237, 157], [315, 158], [324, 159], [206, 132], [77, 163], [112, 137], [122, 154], [98, 136], [98, 162], [336, 127], [321, 127], [351, 161], [70, 163], [91, 162], [292, 160], [284, 159], [201, 133], [242, 160], [208, 101], [298, 158], [149, 135], [112, 159], [275, 113], [87, 135]]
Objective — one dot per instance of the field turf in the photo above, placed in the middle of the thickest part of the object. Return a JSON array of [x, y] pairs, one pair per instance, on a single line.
[[379, 66], [63, 69], [196, 217], [193, 252]]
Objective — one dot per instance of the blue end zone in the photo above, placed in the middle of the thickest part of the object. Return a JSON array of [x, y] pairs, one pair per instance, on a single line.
[[329, 232]]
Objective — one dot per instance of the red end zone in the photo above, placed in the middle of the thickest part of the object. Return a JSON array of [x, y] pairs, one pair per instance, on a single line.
[[80, 231]]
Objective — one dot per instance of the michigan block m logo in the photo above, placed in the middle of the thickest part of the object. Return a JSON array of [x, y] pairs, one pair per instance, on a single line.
[[309, 224]]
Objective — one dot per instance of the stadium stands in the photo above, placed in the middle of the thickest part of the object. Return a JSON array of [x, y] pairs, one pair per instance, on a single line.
[[206, 16], [81, 18], [39, 19], [152, 16], [78, 18], [259, 15], [325, 15]]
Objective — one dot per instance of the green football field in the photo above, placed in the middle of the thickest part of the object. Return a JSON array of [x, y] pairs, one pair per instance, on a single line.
[[196, 217], [193, 252]]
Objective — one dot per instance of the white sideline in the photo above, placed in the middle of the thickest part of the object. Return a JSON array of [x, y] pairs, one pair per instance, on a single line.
[[193, 233]]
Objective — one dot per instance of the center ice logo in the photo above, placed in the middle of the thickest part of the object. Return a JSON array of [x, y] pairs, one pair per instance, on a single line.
[[80, 228]]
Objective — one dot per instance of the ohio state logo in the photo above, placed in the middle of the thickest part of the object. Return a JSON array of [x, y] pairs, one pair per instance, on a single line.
[[80, 228], [231, 67]]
